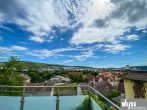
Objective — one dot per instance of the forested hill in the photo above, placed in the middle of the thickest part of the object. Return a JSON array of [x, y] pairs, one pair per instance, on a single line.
[[34, 64], [28, 64]]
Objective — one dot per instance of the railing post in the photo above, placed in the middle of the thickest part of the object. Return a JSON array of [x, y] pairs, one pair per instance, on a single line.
[[22, 103], [57, 101], [22, 100]]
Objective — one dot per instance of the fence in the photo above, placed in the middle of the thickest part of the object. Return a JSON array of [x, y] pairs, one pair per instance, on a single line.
[[58, 91]]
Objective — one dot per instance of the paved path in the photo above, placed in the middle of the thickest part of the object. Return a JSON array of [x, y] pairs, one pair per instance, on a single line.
[[52, 92], [79, 91]]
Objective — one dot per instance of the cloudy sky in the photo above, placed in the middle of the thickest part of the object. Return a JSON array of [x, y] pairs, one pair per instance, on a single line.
[[98, 33]]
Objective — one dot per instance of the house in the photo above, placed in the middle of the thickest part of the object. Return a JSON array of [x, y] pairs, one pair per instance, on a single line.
[[75, 73], [113, 74], [111, 77], [55, 80], [135, 85], [60, 79], [102, 78], [26, 78], [120, 87], [89, 77], [103, 87]]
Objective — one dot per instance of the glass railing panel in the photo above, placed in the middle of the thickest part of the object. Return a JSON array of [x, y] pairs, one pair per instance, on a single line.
[[40, 103], [10, 103], [44, 97]]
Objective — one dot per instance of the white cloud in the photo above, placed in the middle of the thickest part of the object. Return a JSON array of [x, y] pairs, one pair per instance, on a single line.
[[36, 17], [37, 39], [43, 53], [93, 9], [109, 27], [90, 33], [12, 48], [132, 37], [15, 47], [144, 31], [39, 19], [93, 35], [84, 55], [102, 20], [66, 49], [123, 54], [67, 61], [4, 27], [115, 48]]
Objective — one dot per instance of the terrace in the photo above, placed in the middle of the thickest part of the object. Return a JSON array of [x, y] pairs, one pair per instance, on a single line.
[[81, 97]]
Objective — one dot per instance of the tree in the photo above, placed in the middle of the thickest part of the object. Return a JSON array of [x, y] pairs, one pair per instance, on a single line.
[[13, 64], [94, 73], [10, 76], [114, 93], [77, 78], [35, 77]]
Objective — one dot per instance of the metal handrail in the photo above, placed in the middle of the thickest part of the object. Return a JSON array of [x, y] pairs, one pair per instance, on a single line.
[[97, 92], [116, 106], [42, 86]]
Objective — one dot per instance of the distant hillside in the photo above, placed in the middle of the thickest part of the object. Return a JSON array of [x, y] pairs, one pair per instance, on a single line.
[[28, 64], [139, 67], [1, 63], [39, 65], [34, 64]]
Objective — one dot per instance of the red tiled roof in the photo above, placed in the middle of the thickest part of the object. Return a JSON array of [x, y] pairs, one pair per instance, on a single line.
[[104, 78], [103, 86], [135, 76], [75, 73]]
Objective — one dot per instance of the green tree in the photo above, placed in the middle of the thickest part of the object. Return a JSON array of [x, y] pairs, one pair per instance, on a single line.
[[10, 76], [90, 72], [114, 93], [77, 78], [13, 64], [35, 77]]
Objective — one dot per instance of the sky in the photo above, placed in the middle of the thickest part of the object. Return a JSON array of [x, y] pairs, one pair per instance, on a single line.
[[96, 33]]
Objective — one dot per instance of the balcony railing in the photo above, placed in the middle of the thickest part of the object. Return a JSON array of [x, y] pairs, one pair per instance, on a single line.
[[56, 91]]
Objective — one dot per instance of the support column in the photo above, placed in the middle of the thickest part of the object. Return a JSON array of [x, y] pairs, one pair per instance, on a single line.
[[22, 103], [57, 101], [22, 100]]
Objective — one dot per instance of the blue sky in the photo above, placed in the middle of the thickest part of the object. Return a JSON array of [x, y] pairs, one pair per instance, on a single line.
[[97, 33]]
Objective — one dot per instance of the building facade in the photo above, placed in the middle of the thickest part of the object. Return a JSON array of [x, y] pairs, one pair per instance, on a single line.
[[135, 85]]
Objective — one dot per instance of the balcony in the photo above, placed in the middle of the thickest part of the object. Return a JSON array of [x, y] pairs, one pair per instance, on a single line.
[[81, 97]]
